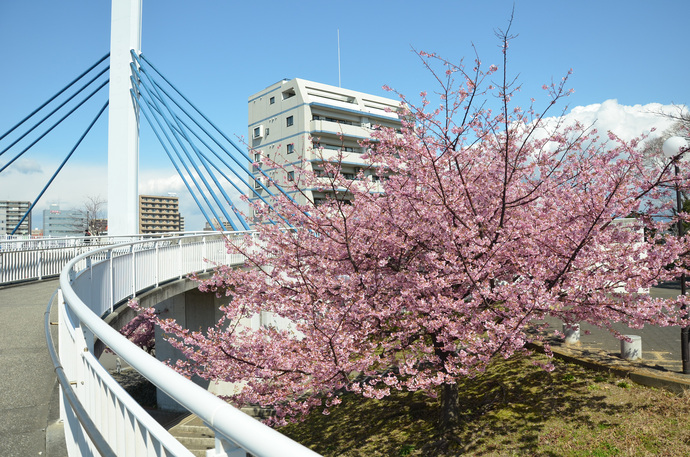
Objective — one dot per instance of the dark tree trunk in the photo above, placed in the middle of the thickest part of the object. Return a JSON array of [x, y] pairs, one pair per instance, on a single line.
[[450, 407]]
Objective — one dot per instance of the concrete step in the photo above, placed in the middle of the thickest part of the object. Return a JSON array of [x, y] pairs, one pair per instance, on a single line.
[[194, 430], [195, 436], [196, 445]]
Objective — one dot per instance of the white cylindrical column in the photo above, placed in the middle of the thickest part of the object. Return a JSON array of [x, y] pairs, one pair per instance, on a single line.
[[631, 350], [123, 122], [571, 333]]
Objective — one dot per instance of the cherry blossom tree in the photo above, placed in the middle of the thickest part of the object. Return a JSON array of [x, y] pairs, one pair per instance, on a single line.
[[141, 329], [489, 220]]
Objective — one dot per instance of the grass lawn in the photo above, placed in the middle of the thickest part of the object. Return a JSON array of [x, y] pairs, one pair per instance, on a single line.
[[515, 409]]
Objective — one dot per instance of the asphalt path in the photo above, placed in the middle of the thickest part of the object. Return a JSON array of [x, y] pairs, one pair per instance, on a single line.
[[27, 380]]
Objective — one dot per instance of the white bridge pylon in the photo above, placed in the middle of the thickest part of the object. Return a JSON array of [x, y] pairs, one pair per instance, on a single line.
[[123, 120]]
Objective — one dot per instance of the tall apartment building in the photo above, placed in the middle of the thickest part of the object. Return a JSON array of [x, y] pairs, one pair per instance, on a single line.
[[3, 221], [12, 212], [159, 214], [57, 222], [290, 119]]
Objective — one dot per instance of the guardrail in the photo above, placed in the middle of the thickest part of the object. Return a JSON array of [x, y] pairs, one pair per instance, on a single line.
[[91, 284], [27, 259]]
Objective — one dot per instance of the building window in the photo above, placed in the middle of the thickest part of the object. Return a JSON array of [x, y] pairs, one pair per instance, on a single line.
[[291, 176], [290, 120], [288, 94], [258, 131], [291, 148], [257, 184], [272, 100]]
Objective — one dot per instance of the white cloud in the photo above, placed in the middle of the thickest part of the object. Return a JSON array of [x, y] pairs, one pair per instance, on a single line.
[[155, 182], [25, 167], [627, 122]]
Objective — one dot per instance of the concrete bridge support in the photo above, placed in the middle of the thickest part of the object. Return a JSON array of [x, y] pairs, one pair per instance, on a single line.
[[195, 310]]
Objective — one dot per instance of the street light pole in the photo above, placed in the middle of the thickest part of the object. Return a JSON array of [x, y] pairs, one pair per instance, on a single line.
[[673, 148]]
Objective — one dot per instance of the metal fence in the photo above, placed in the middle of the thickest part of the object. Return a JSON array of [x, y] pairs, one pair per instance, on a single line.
[[25, 258], [100, 418]]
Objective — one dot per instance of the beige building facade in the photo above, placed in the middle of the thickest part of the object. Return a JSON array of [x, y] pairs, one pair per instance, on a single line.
[[159, 214], [302, 123]]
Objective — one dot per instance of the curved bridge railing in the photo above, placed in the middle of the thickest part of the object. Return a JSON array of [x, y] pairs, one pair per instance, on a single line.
[[26, 259], [90, 286]]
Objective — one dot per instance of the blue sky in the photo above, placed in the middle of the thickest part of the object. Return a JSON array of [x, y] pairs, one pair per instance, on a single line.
[[220, 52]]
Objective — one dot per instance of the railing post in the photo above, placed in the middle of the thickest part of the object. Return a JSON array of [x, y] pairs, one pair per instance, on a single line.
[[225, 448], [156, 260], [180, 267], [111, 277], [40, 264], [134, 271], [204, 254]]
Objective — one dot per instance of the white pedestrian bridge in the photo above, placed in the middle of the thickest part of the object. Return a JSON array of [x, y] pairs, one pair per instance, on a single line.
[[97, 274]]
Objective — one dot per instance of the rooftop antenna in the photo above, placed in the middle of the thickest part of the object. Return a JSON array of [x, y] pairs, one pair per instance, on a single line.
[[339, 85]]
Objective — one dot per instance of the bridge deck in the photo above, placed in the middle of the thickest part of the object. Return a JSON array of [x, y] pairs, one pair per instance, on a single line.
[[28, 398]]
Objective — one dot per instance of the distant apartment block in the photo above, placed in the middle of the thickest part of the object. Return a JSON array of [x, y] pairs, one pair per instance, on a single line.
[[11, 212], [292, 120], [217, 226], [159, 214], [59, 223]]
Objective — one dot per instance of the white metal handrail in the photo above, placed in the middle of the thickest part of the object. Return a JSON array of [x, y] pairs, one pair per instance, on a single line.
[[91, 284], [35, 258]]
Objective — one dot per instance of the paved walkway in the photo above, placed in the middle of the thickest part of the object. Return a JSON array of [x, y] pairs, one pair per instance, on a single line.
[[27, 379], [661, 364]]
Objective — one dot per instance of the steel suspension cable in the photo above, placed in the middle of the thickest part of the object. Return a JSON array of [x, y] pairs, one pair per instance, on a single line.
[[240, 164], [191, 160], [54, 111], [144, 109], [53, 126], [144, 97], [245, 155], [203, 156], [52, 178], [218, 169], [55, 96]]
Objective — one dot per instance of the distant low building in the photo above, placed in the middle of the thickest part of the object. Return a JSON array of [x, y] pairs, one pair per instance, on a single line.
[[217, 226], [11, 212], [159, 214], [98, 226], [59, 223]]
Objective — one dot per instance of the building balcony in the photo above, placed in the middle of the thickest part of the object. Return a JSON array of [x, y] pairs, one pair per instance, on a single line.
[[327, 154], [336, 128]]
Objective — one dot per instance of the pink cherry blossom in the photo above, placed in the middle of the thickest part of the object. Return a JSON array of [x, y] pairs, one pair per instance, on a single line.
[[489, 222]]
